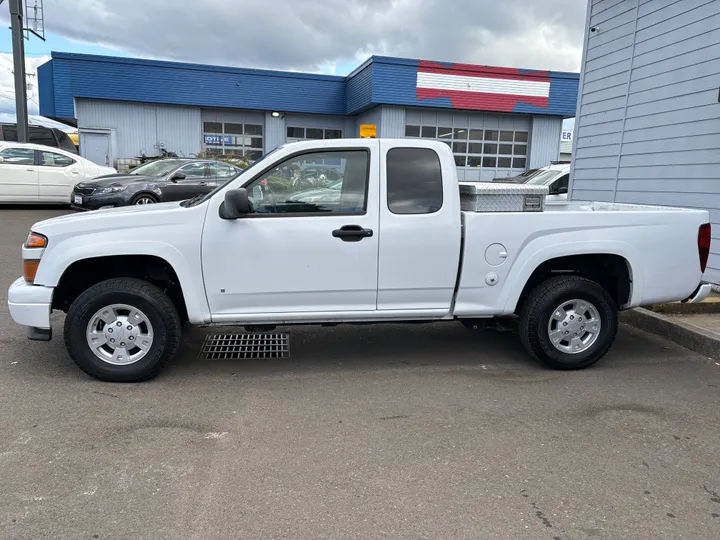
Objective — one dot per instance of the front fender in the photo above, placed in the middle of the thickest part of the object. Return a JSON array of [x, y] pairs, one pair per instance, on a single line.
[[58, 258]]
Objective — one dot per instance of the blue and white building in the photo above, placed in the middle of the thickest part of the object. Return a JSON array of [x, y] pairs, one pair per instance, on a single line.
[[498, 121]]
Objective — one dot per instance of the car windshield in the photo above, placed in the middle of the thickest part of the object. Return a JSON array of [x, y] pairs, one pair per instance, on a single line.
[[544, 177], [157, 168], [202, 198]]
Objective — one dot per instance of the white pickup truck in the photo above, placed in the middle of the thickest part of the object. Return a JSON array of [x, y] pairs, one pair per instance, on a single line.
[[390, 243]]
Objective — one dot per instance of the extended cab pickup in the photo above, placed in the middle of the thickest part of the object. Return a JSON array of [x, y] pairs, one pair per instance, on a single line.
[[390, 243]]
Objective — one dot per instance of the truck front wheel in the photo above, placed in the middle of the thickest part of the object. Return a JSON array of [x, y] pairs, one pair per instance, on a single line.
[[568, 322], [122, 330]]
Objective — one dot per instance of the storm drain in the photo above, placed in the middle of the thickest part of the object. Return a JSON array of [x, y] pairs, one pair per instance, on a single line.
[[245, 346]]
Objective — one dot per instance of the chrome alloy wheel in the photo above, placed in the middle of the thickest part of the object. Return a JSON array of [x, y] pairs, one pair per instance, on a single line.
[[145, 199], [119, 334], [574, 326]]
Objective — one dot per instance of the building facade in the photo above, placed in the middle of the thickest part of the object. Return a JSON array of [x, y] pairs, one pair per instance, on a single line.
[[498, 121], [648, 122]]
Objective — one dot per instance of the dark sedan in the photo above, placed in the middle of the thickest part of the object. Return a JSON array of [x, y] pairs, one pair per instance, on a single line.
[[158, 181]]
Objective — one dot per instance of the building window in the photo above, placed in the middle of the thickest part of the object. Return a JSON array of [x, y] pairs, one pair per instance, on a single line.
[[233, 139], [295, 134], [486, 148]]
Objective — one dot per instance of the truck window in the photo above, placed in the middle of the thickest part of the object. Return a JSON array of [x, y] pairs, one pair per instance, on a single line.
[[303, 185], [414, 181]]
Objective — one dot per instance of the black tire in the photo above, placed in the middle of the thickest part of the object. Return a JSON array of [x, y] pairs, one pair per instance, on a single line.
[[137, 198], [149, 299], [537, 311]]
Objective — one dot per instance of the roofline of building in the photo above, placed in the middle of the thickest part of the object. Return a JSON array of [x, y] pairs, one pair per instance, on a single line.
[[390, 60]]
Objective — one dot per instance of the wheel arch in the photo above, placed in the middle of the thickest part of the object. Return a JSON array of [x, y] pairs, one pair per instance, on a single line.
[[613, 270], [84, 273]]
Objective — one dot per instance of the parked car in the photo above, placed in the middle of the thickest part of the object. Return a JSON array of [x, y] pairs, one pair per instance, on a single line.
[[330, 194], [40, 135], [157, 181], [395, 247], [33, 173], [556, 177]]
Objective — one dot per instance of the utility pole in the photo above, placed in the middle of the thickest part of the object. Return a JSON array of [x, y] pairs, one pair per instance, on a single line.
[[18, 46]]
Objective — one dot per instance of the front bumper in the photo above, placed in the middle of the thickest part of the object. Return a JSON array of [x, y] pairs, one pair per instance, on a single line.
[[95, 202], [30, 305], [700, 294]]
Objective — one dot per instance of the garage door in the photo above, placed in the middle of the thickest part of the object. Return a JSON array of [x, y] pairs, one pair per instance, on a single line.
[[484, 146]]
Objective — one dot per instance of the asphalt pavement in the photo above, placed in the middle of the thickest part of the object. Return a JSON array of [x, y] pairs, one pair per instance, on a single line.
[[395, 431]]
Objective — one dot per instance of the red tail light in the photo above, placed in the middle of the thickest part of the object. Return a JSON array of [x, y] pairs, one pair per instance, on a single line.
[[704, 235]]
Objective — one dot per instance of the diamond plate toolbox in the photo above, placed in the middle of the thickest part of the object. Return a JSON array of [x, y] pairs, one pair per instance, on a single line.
[[497, 197]]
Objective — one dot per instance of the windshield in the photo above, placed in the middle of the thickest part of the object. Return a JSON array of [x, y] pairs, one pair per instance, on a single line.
[[157, 168], [202, 198], [544, 177]]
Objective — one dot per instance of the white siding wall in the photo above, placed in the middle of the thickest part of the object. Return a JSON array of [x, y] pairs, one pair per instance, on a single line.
[[648, 121], [138, 127]]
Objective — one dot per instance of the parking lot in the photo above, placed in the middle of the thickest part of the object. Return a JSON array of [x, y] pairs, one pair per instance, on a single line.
[[418, 431]]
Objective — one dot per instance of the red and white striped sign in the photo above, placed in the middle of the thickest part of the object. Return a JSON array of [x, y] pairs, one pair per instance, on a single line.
[[481, 87]]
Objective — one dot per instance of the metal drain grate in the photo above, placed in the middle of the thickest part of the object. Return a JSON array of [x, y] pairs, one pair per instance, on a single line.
[[245, 346]]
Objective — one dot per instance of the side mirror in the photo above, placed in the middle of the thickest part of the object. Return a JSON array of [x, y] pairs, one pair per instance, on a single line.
[[178, 176], [236, 204], [562, 190]]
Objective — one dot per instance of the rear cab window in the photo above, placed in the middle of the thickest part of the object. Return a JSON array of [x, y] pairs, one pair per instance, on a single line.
[[414, 181]]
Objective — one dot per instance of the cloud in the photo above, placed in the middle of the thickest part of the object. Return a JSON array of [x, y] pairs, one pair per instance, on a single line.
[[314, 34], [7, 83]]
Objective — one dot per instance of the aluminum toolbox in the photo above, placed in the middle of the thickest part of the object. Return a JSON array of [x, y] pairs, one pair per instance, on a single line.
[[497, 197]]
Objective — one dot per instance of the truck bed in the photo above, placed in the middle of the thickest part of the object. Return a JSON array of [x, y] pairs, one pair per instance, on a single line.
[[659, 244]]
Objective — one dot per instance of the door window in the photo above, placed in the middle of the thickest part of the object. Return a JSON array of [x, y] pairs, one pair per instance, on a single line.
[[561, 185], [295, 186], [193, 171], [414, 181], [40, 135], [18, 156], [223, 170], [52, 159]]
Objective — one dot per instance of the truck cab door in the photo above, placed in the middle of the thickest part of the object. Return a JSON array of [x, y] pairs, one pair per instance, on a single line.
[[299, 252], [420, 228]]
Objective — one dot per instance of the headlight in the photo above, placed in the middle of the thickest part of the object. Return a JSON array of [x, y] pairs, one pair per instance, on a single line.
[[111, 189]]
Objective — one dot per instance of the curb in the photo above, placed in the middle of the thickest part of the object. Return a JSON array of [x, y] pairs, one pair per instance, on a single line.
[[682, 333]]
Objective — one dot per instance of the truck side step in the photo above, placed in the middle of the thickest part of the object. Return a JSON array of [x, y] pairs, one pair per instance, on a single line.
[[245, 346]]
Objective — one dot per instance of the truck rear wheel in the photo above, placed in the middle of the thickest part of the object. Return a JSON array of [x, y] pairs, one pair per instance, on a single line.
[[122, 330], [568, 322]]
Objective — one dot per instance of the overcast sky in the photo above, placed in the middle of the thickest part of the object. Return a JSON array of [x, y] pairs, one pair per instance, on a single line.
[[330, 36]]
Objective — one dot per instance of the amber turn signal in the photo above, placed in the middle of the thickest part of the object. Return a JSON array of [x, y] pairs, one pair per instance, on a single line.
[[35, 241], [30, 269]]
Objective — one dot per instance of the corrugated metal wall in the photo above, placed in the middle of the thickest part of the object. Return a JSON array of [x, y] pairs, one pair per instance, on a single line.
[[274, 131], [140, 126], [648, 123], [392, 122], [544, 141], [372, 116], [359, 90], [151, 81]]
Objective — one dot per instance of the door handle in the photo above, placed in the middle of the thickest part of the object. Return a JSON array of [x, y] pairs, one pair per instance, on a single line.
[[352, 233], [202, 184], [31, 169]]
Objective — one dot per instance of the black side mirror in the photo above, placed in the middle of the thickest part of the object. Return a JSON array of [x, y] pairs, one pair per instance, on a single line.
[[236, 204], [178, 176], [562, 190]]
